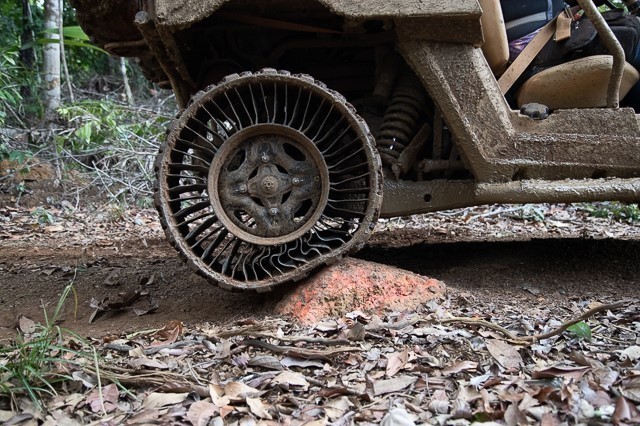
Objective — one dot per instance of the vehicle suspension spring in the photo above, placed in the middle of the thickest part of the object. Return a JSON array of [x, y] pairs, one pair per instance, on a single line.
[[401, 120]]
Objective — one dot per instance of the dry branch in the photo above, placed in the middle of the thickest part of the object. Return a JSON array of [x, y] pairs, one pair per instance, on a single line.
[[292, 351], [536, 337]]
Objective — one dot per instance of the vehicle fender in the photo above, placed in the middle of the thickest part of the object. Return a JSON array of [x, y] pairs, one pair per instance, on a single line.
[[445, 20]]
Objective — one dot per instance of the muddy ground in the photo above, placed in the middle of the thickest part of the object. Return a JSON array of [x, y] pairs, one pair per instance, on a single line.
[[498, 255]]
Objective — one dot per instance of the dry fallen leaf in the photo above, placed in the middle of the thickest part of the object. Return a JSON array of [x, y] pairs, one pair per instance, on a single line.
[[169, 333], [266, 361], [625, 413], [630, 389], [258, 408], [336, 408], [549, 419], [147, 362], [356, 332], [218, 398], [630, 354], [574, 373], [459, 366], [105, 399], [396, 362], [86, 379], [439, 402], [27, 326], [514, 417], [452, 373], [292, 379], [597, 398], [237, 389], [302, 363], [397, 417], [201, 412], [605, 377], [58, 418], [506, 355], [396, 384], [156, 399]]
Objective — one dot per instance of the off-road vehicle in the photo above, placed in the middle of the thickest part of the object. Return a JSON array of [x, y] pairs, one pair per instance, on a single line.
[[303, 121]]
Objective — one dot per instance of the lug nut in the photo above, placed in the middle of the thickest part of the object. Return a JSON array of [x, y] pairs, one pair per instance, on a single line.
[[274, 211], [242, 189], [265, 158], [296, 181]]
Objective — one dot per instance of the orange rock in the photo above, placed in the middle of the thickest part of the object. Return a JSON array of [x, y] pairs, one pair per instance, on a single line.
[[355, 284]]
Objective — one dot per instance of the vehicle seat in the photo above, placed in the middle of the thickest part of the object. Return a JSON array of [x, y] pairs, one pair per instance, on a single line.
[[581, 83]]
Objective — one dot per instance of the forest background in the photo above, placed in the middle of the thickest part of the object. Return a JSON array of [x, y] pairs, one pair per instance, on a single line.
[[70, 114]]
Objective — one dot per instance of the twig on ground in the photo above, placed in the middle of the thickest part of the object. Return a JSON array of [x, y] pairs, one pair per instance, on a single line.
[[290, 339], [299, 352], [536, 337], [129, 377], [393, 325], [480, 322], [565, 325]]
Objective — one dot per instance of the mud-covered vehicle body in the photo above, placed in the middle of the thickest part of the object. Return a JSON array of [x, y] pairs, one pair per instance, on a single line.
[[303, 121]]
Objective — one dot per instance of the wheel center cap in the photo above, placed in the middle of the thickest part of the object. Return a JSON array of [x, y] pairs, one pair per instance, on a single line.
[[256, 200], [269, 185]]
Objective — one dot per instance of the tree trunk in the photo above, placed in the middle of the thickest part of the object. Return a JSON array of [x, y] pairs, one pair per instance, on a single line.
[[125, 80], [51, 59], [63, 55]]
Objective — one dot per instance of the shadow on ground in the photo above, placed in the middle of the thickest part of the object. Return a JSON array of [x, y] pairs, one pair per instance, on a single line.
[[497, 272]]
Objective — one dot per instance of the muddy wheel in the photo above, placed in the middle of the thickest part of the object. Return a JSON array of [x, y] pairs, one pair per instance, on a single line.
[[265, 177]]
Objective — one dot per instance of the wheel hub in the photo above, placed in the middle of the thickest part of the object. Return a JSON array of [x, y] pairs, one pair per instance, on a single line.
[[270, 184]]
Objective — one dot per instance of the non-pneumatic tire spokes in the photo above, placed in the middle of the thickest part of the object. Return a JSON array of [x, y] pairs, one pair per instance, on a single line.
[[265, 177]]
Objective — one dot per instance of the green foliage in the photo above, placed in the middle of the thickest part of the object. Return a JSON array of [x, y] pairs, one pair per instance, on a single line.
[[73, 36], [10, 97], [19, 160], [89, 67], [31, 364], [14, 155], [19, 164], [529, 212], [43, 216], [10, 22], [117, 144], [581, 330], [104, 124], [617, 3], [83, 58], [614, 210], [21, 188]]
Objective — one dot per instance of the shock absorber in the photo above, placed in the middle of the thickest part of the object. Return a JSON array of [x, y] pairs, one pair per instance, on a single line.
[[402, 118]]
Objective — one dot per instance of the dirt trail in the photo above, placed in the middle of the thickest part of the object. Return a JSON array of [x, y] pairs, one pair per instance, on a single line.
[[520, 273], [31, 277]]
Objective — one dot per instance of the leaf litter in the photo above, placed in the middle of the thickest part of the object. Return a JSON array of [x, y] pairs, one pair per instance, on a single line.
[[455, 362], [127, 300], [441, 365]]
